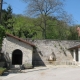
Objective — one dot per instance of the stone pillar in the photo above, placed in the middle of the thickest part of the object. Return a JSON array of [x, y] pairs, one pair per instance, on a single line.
[[74, 55], [79, 55]]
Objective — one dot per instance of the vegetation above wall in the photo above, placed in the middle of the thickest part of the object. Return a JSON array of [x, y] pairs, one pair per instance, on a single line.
[[41, 27]]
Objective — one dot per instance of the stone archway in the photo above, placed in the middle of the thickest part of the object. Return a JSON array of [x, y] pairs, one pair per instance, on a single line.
[[17, 57]]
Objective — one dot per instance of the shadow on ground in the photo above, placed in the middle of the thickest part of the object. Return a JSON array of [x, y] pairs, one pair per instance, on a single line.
[[5, 74]]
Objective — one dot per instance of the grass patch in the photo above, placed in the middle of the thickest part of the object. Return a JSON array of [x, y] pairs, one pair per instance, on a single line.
[[2, 70]]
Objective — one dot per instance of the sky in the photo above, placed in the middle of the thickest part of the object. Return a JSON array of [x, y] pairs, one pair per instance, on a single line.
[[71, 7], [18, 6]]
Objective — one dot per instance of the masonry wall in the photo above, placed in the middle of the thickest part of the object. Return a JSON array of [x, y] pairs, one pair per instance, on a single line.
[[10, 44], [45, 48], [40, 56]]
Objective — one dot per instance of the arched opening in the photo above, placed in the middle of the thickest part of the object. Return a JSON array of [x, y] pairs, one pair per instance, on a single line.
[[17, 57]]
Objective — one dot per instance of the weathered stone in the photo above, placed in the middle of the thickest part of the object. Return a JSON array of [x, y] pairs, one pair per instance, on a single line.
[[27, 66], [11, 44], [41, 54], [58, 47]]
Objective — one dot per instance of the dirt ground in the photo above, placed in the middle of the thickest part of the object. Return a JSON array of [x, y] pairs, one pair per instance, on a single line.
[[45, 73]]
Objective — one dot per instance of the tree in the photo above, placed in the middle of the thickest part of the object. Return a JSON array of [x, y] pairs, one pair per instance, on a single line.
[[1, 2], [2, 34], [7, 18], [73, 33], [27, 34], [23, 27], [43, 9]]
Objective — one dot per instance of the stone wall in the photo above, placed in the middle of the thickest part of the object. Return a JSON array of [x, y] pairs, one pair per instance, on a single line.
[[10, 44], [47, 52], [46, 48]]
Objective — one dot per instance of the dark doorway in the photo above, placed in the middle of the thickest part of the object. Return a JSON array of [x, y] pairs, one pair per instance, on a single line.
[[17, 57]]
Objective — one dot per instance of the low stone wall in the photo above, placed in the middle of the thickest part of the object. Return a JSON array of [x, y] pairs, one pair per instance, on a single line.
[[40, 63], [46, 48]]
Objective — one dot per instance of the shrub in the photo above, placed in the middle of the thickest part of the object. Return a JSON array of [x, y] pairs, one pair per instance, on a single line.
[[2, 70]]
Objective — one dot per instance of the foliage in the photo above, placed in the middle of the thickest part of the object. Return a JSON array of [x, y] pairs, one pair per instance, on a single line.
[[27, 34], [73, 34], [2, 34], [43, 9], [43, 26], [7, 19], [2, 70], [24, 27]]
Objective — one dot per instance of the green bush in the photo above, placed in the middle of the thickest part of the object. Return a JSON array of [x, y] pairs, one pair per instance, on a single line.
[[2, 70]]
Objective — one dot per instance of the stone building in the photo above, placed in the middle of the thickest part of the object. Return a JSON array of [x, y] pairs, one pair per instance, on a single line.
[[40, 52], [17, 51], [75, 50]]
